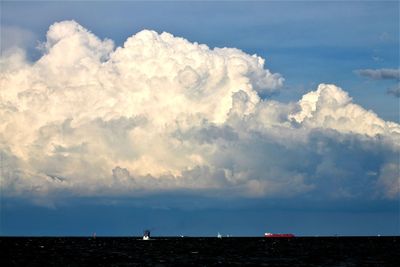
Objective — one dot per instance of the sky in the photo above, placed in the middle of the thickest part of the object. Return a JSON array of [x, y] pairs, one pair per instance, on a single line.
[[198, 117]]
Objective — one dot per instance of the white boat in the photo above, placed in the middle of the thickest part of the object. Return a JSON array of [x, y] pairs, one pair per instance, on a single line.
[[146, 235], [219, 235]]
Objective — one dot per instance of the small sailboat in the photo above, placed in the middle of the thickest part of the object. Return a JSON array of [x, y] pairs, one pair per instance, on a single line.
[[219, 235], [146, 235]]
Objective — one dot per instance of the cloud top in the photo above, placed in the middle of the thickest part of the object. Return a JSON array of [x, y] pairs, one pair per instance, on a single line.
[[162, 113]]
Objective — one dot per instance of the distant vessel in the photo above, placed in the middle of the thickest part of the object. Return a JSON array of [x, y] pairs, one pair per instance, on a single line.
[[219, 235], [146, 235], [279, 235]]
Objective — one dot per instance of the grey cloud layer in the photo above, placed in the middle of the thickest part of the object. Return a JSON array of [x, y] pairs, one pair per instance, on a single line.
[[384, 74], [161, 113], [380, 74]]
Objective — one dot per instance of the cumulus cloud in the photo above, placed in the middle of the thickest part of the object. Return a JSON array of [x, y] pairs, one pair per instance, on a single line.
[[162, 113], [380, 74], [330, 107]]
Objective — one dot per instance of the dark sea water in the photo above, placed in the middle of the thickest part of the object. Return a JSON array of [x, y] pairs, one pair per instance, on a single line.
[[131, 251]]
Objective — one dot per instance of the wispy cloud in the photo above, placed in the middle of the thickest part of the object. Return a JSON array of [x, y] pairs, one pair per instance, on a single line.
[[394, 90], [380, 74], [13, 36]]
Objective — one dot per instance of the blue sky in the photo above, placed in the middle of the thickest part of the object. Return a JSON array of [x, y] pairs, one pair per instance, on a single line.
[[336, 169]]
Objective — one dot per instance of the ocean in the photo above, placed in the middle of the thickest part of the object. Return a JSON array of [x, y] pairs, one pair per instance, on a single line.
[[206, 251]]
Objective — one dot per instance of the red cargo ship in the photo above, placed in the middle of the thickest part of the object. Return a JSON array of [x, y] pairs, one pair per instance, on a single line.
[[278, 235]]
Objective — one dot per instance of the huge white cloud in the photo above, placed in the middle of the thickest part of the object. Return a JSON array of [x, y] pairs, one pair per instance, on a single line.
[[162, 113]]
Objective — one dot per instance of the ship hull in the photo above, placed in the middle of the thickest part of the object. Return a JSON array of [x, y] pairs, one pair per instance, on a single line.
[[279, 235]]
